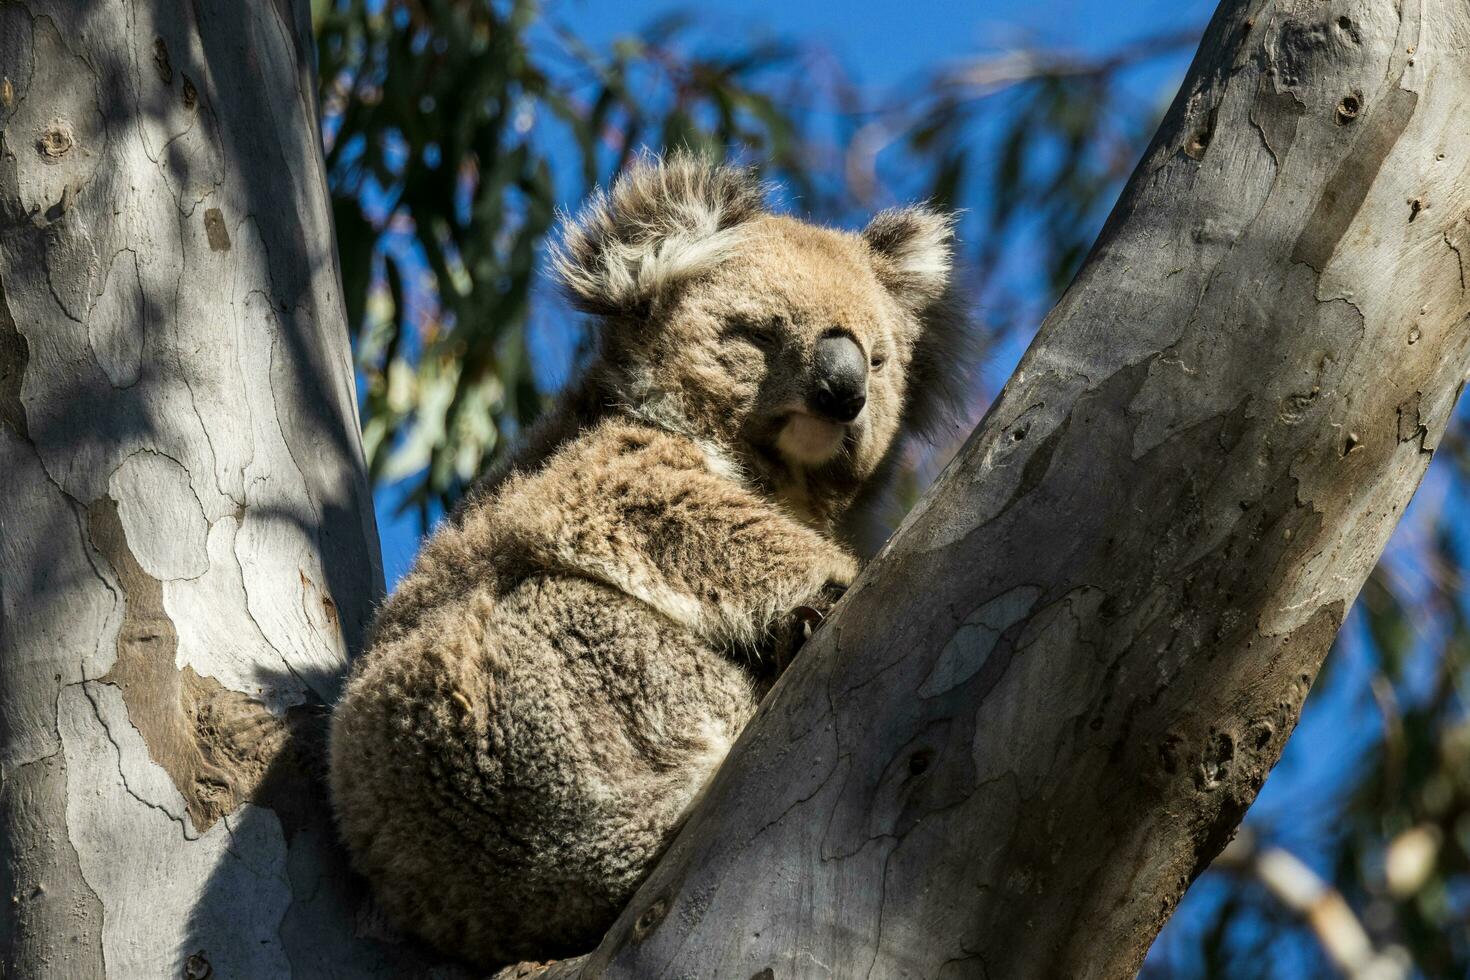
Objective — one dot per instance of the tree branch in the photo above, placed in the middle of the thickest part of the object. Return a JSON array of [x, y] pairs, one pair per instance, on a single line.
[[1322, 907]]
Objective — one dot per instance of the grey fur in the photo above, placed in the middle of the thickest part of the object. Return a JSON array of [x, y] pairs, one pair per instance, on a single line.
[[573, 652]]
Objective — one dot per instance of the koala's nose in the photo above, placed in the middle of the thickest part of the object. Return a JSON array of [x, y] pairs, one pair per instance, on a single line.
[[839, 379]]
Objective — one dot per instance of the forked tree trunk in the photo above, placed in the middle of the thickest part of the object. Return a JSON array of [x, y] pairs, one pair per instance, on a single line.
[[187, 546], [1037, 716], [1046, 706]]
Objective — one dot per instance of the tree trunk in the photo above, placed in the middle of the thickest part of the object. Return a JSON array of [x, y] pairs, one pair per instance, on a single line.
[[1045, 707], [187, 548], [1031, 723]]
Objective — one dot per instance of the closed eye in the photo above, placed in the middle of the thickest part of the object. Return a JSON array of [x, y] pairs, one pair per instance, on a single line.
[[762, 333]]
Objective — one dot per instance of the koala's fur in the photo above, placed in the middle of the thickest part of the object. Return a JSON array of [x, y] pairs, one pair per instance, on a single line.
[[576, 649]]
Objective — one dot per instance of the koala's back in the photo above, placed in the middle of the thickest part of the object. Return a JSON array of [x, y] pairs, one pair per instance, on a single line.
[[515, 748]]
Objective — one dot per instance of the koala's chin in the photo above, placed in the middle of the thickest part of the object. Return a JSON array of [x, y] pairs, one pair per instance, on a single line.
[[806, 440]]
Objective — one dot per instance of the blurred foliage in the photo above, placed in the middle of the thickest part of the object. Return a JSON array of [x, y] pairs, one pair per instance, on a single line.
[[1404, 853], [448, 125], [455, 129]]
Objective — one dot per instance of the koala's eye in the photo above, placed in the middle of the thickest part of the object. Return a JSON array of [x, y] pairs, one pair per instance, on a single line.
[[878, 360], [762, 333]]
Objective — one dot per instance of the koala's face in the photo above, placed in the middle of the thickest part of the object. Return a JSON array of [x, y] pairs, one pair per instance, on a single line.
[[805, 351], [792, 348]]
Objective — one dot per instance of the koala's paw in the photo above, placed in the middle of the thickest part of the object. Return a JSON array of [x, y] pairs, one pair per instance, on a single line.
[[843, 570], [798, 625]]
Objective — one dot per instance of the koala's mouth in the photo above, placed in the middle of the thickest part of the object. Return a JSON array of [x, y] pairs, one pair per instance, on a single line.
[[807, 440]]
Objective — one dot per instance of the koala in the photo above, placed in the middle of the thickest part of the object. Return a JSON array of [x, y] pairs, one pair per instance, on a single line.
[[577, 647]]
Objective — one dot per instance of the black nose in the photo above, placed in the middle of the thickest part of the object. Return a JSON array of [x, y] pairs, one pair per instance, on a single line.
[[840, 379]]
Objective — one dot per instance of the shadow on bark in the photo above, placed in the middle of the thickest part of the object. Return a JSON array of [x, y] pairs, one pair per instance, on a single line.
[[332, 927]]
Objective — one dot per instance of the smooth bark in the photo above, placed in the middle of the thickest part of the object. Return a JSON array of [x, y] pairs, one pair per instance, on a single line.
[[1045, 707], [1037, 716], [187, 546]]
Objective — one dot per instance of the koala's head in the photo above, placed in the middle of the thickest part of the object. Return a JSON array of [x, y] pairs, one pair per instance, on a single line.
[[804, 351]]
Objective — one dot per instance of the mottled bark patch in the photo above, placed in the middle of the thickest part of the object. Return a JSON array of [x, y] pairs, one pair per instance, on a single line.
[[1411, 418], [1267, 726], [42, 893], [1348, 188], [1275, 116], [15, 353], [215, 230], [161, 62], [219, 747], [55, 141]]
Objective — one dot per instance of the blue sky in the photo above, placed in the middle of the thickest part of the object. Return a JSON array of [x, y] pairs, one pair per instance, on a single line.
[[884, 44]]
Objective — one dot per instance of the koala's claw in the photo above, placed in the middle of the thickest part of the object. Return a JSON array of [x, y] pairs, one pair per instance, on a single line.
[[800, 623], [808, 618]]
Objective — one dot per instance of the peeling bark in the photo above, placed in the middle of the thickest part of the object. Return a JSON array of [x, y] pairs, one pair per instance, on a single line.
[[187, 548], [1046, 706]]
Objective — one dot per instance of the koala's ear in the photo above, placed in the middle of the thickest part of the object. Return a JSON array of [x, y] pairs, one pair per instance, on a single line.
[[913, 252], [913, 255], [664, 220]]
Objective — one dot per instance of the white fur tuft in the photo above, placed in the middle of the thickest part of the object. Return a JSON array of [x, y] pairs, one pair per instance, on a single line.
[[664, 221]]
